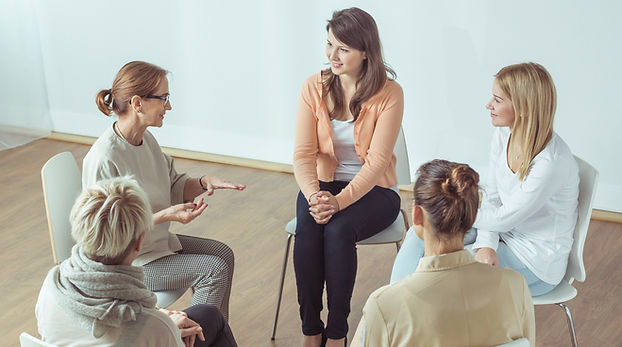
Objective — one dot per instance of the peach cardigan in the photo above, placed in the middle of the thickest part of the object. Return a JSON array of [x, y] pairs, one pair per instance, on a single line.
[[375, 132]]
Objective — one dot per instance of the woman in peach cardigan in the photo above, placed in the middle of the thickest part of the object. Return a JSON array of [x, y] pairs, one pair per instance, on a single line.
[[348, 120]]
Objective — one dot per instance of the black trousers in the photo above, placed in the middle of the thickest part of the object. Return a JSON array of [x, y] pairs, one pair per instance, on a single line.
[[327, 254], [216, 330]]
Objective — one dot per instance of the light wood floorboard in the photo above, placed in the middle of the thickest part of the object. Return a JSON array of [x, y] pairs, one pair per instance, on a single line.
[[252, 223]]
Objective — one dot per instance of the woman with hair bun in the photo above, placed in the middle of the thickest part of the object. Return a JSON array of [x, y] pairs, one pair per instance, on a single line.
[[140, 98], [450, 300], [529, 209], [348, 120]]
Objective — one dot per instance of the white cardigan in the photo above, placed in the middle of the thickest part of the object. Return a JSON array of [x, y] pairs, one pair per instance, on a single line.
[[534, 217]]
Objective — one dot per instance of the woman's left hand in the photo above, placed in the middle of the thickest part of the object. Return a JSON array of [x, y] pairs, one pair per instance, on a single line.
[[323, 206], [487, 256], [212, 183], [188, 328]]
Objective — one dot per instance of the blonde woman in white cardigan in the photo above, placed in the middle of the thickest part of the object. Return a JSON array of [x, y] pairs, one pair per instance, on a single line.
[[529, 208]]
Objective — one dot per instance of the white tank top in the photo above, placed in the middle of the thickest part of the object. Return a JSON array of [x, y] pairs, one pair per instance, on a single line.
[[343, 143]]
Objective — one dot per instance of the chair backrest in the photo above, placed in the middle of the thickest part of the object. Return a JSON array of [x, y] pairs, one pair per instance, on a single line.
[[62, 183], [522, 342], [27, 340], [588, 180], [402, 168]]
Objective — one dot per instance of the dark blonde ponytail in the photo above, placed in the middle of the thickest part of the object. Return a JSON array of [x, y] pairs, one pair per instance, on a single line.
[[104, 101]]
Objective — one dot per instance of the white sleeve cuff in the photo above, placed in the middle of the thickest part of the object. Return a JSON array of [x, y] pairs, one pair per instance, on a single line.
[[489, 239]]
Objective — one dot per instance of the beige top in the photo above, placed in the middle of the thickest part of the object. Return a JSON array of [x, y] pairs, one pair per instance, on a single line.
[[451, 300], [112, 156]]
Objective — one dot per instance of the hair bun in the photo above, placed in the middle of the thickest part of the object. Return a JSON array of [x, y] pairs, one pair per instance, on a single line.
[[463, 179], [448, 192], [448, 188]]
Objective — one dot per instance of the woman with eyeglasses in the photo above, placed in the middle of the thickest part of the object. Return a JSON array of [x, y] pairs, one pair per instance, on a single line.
[[140, 98], [348, 120]]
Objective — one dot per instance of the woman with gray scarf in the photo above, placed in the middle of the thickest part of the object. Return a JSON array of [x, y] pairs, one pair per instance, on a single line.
[[97, 298]]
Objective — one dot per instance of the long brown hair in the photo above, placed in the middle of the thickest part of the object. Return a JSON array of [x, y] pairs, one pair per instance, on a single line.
[[357, 29], [534, 99], [449, 193], [134, 78]]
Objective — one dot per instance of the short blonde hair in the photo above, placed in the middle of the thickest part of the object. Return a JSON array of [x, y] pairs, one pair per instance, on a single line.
[[534, 99], [108, 218]]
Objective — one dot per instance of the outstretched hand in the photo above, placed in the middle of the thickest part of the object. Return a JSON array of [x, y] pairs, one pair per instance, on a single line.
[[182, 213], [322, 206], [212, 183]]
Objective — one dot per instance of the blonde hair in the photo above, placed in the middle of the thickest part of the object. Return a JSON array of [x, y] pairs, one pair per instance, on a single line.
[[108, 218], [134, 78], [534, 99]]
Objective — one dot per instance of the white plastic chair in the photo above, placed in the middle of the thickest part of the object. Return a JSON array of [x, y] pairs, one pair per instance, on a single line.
[[564, 291], [522, 342], [27, 340], [62, 183], [393, 234]]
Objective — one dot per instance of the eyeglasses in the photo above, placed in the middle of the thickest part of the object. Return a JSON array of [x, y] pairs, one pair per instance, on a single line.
[[166, 98]]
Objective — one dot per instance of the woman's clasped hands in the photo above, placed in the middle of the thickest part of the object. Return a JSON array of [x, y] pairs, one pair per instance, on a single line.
[[188, 328], [322, 206]]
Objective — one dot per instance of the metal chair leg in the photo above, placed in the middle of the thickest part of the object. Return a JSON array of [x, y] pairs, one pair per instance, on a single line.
[[406, 227], [573, 336], [278, 300]]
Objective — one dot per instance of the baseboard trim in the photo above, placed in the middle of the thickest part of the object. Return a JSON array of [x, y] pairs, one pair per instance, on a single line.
[[601, 215], [84, 140], [225, 159], [186, 154], [607, 216]]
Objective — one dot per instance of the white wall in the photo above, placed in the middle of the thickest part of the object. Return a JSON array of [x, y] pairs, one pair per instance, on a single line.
[[237, 68], [23, 97]]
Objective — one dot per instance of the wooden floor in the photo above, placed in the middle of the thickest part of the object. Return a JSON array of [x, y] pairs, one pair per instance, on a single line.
[[252, 223]]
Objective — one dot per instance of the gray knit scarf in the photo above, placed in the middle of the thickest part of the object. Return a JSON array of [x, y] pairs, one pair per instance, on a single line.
[[98, 296]]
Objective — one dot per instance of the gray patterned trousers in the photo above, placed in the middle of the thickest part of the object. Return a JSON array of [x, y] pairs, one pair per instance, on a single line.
[[204, 265]]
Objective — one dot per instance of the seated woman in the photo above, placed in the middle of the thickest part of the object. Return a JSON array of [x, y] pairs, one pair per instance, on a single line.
[[97, 298], [140, 98], [450, 300], [348, 120], [529, 211]]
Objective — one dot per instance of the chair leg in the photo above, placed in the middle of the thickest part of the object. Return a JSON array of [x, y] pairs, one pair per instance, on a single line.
[[573, 336], [278, 300], [406, 227]]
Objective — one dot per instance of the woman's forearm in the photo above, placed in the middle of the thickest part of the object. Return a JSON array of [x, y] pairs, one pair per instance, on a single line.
[[192, 189], [161, 217]]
